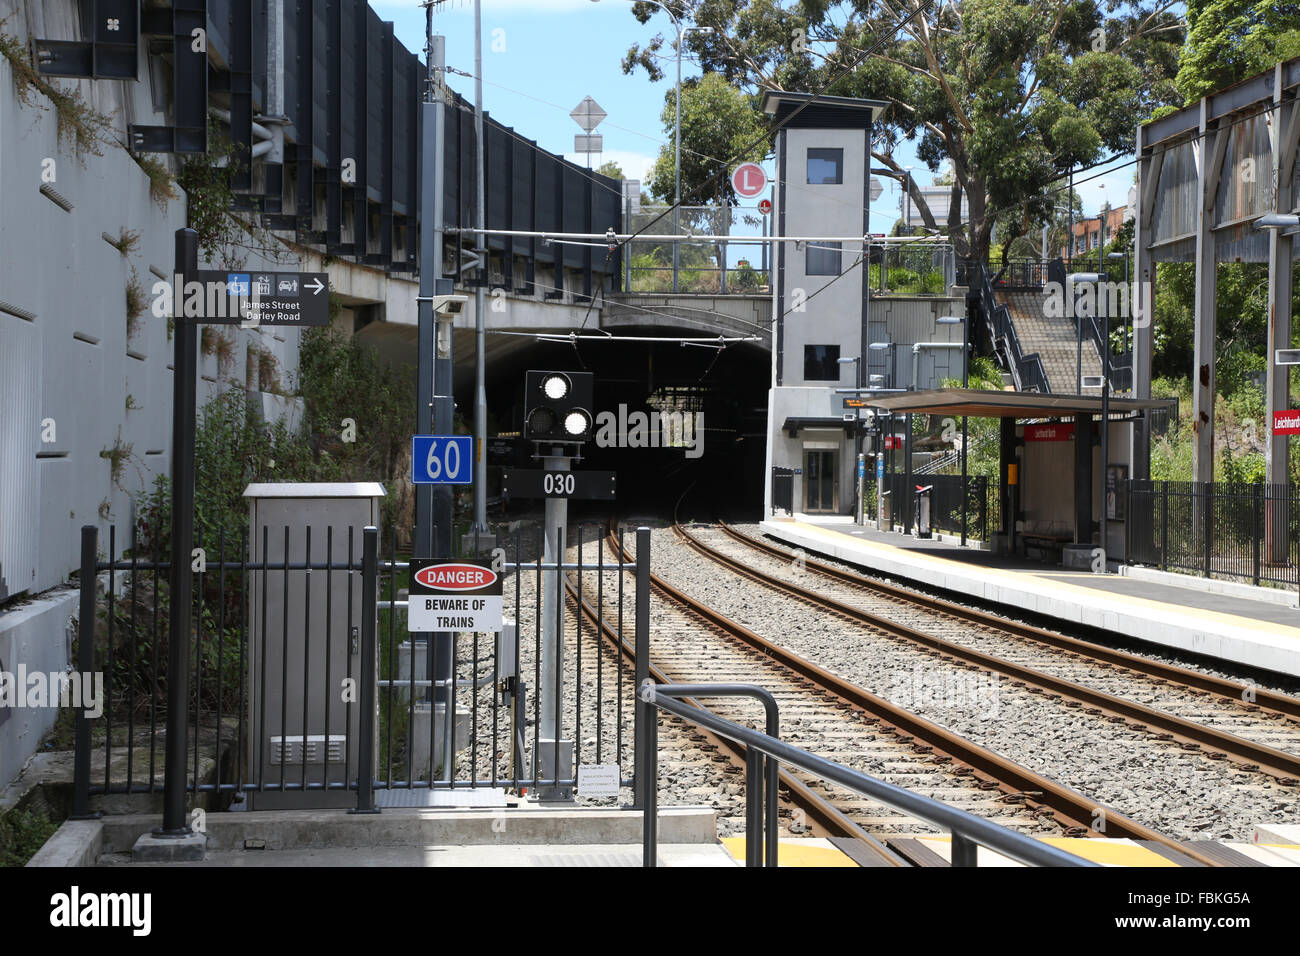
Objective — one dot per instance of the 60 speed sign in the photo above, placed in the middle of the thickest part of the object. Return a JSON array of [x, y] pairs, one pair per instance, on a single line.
[[442, 459]]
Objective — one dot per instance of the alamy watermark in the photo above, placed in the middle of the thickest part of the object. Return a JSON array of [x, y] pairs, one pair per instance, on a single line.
[[40, 689], [944, 689], [655, 429]]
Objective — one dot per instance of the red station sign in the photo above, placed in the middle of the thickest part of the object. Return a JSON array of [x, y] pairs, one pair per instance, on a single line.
[[1058, 432], [1286, 422]]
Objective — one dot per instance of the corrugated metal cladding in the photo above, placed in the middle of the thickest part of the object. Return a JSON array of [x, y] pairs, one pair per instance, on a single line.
[[1174, 211], [1246, 176], [353, 94], [20, 437]]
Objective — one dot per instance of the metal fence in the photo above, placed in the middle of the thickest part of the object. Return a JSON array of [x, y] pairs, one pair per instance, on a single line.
[[981, 502], [726, 259], [912, 269], [1244, 532], [303, 672]]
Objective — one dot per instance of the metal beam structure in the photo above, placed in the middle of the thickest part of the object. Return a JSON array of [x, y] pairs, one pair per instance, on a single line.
[[1206, 175], [344, 110]]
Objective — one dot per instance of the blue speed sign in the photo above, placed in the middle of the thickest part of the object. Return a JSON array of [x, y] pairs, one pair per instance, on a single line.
[[442, 459]]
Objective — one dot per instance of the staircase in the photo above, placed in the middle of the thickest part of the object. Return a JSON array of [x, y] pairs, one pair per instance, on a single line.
[[1054, 339]]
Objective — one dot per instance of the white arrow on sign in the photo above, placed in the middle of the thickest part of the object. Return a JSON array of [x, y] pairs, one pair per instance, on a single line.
[[316, 289]]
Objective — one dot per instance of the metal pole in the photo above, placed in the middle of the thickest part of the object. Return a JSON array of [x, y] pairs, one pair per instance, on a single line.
[[644, 713], [677, 160], [1105, 419], [549, 698], [86, 664], [185, 371], [369, 598], [648, 761], [433, 505], [480, 320], [965, 383], [552, 629]]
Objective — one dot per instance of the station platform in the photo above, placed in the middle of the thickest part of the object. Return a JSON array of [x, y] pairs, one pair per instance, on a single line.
[[1259, 632]]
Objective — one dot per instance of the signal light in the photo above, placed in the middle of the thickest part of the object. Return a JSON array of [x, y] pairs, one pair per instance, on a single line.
[[557, 406]]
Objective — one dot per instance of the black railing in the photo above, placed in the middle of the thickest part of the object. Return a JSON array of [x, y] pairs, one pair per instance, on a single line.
[[764, 751], [981, 502], [284, 622], [783, 490], [1026, 370], [1241, 532]]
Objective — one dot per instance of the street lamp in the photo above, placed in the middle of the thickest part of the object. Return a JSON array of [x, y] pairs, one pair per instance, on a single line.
[[677, 133]]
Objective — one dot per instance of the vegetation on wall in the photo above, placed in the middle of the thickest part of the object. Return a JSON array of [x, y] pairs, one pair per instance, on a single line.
[[81, 127], [162, 186], [137, 302], [208, 180]]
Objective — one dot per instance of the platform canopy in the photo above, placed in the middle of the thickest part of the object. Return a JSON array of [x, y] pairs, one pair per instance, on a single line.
[[988, 403]]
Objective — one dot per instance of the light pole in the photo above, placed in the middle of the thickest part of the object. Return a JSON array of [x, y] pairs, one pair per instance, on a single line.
[[965, 382], [677, 133], [1128, 300], [859, 460], [1100, 277], [880, 495]]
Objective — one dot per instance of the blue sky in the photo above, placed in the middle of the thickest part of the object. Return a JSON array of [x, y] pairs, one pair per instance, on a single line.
[[541, 57]]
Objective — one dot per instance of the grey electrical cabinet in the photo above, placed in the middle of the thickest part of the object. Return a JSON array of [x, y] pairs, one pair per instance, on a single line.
[[304, 648]]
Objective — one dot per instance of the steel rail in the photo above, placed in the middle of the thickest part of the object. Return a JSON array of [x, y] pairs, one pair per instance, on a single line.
[[1073, 811], [1256, 756], [1228, 689], [824, 813]]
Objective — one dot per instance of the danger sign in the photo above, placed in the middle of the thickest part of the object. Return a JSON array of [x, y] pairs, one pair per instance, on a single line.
[[1286, 422], [748, 180], [454, 596]]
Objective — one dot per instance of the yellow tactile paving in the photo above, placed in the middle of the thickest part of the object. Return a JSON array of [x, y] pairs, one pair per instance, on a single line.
[[1106, 852], [811, 852], [1085, 594]]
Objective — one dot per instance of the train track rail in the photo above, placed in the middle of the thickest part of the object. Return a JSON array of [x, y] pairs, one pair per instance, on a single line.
[[691, 642], [1205, 697]]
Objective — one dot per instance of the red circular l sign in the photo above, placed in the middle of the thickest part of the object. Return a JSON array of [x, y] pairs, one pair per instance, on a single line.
[[765, 206], [748, 180]]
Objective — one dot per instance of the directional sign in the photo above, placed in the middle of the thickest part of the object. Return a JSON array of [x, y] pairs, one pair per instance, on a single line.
[[535, 483], [255, 298], [442, 459], [1286, 422], [451, 595], [748, 180]]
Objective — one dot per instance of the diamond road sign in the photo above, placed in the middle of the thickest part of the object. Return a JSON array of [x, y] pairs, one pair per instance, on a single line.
[[255, 298], [588, 114]]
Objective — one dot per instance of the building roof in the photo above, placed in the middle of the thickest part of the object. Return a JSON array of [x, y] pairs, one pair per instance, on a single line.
[[819, 111], [988, 403]]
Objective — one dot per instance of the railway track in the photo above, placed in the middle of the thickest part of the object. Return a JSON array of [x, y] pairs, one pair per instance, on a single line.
[[1220, 718], [821, 711]]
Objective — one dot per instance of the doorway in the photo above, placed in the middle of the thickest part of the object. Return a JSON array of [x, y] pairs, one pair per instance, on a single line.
[[820, 484]]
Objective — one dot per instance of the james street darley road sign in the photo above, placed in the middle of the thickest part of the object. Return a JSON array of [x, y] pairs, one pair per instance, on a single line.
[[452, 595], [255, 298]]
